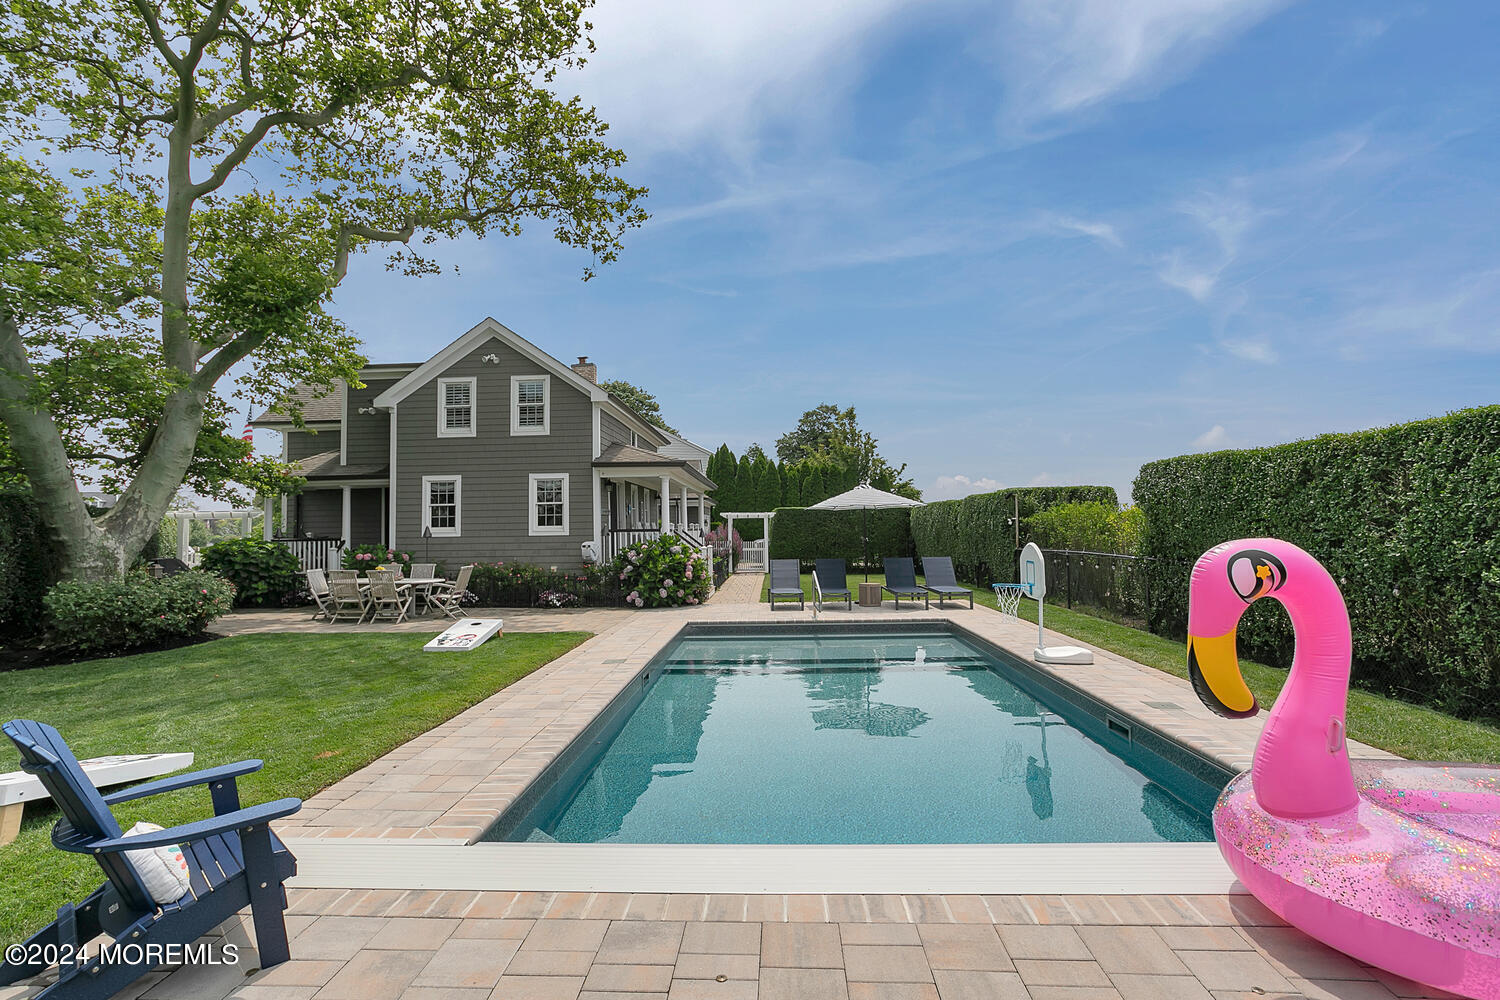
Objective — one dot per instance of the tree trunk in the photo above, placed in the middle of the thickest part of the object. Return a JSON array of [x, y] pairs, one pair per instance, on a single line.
[[92, 548]]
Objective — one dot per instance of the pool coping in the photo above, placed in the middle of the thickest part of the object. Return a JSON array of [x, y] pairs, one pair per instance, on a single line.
[[432, 790]]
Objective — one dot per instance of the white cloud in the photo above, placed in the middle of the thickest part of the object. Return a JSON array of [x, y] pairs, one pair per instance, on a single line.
[[1251, 350], [1213, 439], [1059, 57], [953, 487], [1101, 231], [669, 73], [1198, 283]]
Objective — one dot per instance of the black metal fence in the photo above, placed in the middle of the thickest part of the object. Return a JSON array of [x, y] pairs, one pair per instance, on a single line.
[[1109, 581]]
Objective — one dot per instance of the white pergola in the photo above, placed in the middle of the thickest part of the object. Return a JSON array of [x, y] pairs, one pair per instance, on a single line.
[[764, 516], [244, 515]]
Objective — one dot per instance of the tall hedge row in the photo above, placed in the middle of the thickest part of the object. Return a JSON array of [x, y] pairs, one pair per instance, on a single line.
[[29, 564], [1406, 518], [976, 530], [807, 534]]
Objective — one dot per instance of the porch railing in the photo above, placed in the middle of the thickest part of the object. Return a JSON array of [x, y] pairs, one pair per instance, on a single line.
[[315, 553], [617, 540]]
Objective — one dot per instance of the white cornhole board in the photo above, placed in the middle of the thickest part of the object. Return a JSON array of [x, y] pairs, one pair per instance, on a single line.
[[18, 788], [1034, 576], [465, 634]]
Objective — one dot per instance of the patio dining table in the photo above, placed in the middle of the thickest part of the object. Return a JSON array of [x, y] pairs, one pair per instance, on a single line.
[[422, 584]]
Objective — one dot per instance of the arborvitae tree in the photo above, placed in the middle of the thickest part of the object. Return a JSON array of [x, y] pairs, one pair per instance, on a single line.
[[723, 470]]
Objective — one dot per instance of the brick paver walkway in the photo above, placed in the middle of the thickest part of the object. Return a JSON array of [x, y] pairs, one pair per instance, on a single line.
[[516, 620], [739, 588], [418, 945]]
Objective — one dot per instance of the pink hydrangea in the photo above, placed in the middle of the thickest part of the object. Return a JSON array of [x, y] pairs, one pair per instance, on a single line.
[[662, 592], [667, 583]]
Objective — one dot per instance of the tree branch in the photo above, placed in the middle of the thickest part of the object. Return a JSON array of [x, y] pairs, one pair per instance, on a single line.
[[153, 26]]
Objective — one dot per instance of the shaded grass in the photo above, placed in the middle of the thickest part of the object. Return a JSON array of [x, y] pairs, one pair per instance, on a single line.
[[315, 708], [1413, 731]]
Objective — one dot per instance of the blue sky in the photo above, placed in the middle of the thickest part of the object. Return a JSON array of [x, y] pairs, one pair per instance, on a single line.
[[1038, 241]]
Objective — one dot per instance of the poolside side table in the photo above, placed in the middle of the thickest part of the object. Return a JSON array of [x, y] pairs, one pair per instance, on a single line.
[[869, 595]]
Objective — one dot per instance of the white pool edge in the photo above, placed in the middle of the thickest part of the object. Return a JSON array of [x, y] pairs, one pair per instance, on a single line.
[[985, 869]]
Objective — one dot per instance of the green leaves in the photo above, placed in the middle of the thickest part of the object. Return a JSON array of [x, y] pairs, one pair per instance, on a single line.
[[1406, 518], [979, 533], [263, 573]]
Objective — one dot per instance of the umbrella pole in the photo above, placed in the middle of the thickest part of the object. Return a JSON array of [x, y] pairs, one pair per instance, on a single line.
[[865, 530]]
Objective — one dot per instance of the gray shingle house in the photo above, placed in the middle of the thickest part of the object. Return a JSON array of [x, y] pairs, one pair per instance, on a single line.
[[491, 449]]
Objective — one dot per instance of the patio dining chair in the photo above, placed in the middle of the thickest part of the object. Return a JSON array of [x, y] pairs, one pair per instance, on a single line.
[[343, 574], [448, 597], [423, 571], [317, 584], [349, 601], [387, 601]]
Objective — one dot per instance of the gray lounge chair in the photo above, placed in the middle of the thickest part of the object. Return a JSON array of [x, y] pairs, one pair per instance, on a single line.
[[786, 582], [830, 579], [901, 581], [939, 579]]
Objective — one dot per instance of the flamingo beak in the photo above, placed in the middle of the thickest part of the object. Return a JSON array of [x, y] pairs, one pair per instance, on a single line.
[[1214, 669]]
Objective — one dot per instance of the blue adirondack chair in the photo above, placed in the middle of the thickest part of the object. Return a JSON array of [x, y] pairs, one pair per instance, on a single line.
[[234, 860]]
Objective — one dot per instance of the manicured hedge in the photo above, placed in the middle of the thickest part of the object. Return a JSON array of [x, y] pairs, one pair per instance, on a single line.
[[807, 534], [976, 530], [1406, 518], [29, 564]]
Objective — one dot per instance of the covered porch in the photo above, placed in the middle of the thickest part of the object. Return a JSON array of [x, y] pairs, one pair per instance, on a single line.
[[339, 506], [639, 495]]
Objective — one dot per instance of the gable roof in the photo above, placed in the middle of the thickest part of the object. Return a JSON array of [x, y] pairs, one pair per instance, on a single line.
[[320, 404], [326, 465], [487, 328]]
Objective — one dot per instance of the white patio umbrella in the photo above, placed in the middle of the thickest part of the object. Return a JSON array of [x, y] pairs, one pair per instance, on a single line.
[[866, 498]]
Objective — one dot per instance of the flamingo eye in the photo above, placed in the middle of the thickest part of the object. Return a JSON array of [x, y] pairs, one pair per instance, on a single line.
[[1254, 573]]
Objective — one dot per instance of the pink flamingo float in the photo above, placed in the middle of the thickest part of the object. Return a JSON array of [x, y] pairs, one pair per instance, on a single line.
[[1394, 862]]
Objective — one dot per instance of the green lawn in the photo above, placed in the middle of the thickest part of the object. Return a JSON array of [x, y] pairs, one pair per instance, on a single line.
[[1400, 727], [314, 707]]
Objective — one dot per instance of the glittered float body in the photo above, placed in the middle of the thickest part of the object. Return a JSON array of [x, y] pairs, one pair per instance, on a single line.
[[1396, 863]]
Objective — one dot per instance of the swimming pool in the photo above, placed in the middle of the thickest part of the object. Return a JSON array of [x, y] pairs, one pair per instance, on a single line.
[[860, 735]]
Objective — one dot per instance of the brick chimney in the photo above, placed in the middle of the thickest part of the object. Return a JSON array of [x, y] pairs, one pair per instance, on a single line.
[[587, 369]]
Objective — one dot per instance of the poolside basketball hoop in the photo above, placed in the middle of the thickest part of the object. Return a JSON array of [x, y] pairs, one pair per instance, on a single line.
[[1034, 581]]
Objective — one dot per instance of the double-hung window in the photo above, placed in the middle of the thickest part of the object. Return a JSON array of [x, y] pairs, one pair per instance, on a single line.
[[548, 503], [442, 505], [530, 404], [456, 407]]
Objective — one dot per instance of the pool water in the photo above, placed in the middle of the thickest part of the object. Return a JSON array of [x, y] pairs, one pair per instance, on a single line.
[[851, 739]]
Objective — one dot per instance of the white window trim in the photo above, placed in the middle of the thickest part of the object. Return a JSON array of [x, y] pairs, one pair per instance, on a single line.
[[531, 525], [443, 431], [515, 405], [458, 506]]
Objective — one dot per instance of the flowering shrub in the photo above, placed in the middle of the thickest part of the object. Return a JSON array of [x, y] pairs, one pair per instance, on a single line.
[[663, 573], [134, 611], [556, 599], [367, 557], [723, 542], [263, 573]]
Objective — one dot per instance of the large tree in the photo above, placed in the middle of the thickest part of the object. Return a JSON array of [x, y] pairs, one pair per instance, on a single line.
[[639, 400], [187, 180], [848, 454]]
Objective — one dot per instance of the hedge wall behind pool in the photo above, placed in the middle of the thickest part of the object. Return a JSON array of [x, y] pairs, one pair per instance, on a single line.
[[807, 534], [1406, 518], [976, 530]]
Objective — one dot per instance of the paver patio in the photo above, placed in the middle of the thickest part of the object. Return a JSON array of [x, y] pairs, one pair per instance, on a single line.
[[420, 944]]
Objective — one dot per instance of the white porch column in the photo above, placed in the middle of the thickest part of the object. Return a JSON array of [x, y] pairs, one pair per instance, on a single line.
[[182, 536], [682, 509], [347, 519], [268, 508], [666, 502], [598, 506], [765, 532], [245, 525], [729, 537]]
